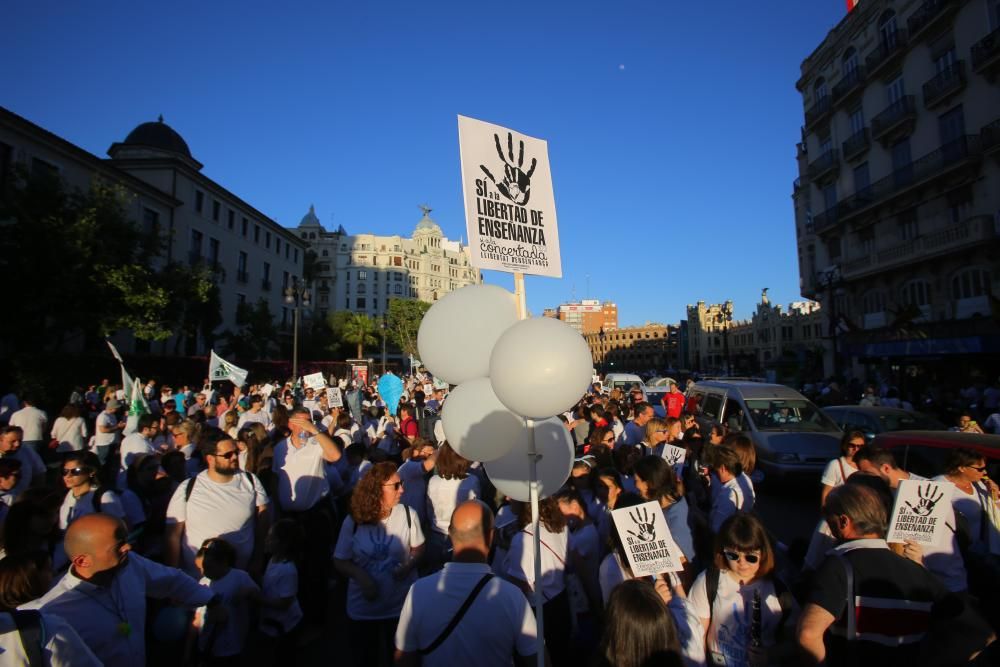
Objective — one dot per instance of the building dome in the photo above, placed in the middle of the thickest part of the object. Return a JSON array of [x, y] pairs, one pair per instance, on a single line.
[[310, 219], [426, 224], [158, 135]]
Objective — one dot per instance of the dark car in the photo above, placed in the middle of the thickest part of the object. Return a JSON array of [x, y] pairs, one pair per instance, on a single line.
[[874, 420], [925, 452]]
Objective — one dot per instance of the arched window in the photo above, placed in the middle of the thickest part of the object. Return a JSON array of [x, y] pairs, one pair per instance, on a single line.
[[850, 61], [916, 293], [970, 283], [873, 302], [887, 29]]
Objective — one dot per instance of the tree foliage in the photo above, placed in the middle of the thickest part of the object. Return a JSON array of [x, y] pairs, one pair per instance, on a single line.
[[257, 335], [404, 317]]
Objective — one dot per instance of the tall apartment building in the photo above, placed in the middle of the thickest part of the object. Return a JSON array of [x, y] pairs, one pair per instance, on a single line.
[[897, 205], [362, 272], [199, 219], [586, 316]]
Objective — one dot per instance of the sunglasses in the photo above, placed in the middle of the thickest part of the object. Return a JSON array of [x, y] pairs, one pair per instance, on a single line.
[[227, 455], [395, 485], [977, 468], [734, 556], [73, 472]]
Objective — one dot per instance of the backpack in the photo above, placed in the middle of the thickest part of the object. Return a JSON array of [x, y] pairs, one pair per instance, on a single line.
[[97, 497], [31, 633], [426, 421]]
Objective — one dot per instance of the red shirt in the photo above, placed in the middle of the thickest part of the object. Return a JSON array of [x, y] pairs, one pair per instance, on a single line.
[[408, 427], [673, 403]]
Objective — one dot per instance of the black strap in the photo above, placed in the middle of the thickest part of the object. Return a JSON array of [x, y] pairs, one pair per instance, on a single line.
[[456, 619], [253, 491], [29, 628]]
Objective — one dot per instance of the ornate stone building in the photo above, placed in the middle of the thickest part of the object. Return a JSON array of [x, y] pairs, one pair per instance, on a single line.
[[649, 348]]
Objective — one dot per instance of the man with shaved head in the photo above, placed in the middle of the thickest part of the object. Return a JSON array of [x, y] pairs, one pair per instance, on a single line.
[[103, 595], [463, 614]]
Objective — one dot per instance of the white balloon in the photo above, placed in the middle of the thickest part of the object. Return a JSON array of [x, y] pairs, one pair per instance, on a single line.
[[510, 473], [478, 426], [457, 334], [540, 367]]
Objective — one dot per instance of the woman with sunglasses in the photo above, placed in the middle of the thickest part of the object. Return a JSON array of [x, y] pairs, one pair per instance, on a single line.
[[85, 494], [742, 605], [975, 497], [838, 470], [378, 550]]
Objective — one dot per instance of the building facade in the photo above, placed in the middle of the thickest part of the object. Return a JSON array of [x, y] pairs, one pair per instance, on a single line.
[[897, 205], [587, 316], [199, 220], [361, 272], [651, 348]]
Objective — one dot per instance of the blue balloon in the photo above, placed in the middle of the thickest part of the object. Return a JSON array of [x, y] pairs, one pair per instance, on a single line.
[[390, 388]]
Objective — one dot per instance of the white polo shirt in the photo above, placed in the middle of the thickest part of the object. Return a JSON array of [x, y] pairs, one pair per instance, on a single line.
[[444, 495], [520, 562], [301, 477], [32, 422], [225, 510], [498, 624], [63, 647]]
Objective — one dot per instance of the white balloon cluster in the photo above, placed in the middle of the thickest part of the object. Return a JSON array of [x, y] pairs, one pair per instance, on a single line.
[[507, 370]]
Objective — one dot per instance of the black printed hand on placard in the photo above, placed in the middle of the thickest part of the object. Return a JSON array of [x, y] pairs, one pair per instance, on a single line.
[[516, 183], [643, 524], [927, 501], [673, 458]]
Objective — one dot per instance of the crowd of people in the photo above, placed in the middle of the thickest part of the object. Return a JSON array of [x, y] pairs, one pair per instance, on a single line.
[[237, 526]]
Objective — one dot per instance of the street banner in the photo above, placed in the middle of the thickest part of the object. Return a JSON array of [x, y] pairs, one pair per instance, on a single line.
[[314, 381], [219, 369], [334, 399], [510, 208], [921, 512], [648, 544]]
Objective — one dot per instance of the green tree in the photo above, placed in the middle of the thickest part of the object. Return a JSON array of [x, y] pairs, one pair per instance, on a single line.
[[257, 335], [359, 329], [404, 317]]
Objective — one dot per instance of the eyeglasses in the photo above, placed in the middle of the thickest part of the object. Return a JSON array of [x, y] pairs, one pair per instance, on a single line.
[[854, 445], [734, 556], [395, 485], [73, 472], [227, 455], [977, 468]]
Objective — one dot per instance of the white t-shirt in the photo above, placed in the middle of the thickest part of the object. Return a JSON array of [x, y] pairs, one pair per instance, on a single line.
[[837, 471], [729, 501], [133, 446], [945, 560], [379, 549], [226, 510], [521, 559], [71, 434], [301, 476], [250, 417], [63, 647], [411, 473], [73, 508], [108, 420], [497, 624], [732, 613], [227, 638], [32, 422], [281, 580], [444, 495]]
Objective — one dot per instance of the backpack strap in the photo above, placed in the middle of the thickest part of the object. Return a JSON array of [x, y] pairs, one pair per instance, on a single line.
[[852, 629], [189, 488], [711, 588], [457, 618], [32, 634]]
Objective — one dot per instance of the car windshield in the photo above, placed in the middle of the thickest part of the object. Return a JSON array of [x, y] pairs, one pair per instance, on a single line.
[[788, 415], [910, 422]]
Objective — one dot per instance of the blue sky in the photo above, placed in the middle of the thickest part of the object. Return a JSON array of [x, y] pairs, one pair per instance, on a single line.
[[671, 126]]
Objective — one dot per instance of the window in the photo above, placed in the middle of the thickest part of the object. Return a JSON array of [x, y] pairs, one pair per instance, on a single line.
[[833, 250], [873, 302], [245, 226], [820, 91], [196, 238], [361, 305], [361, 288], [150, 222], [895, 90], [267, 240], [287, 248], [857, 120], [960, 204], [216, 210], [951, 126], [866, 241], [908, 228], [277, 246], [862, 179], [213, 252], [887, 30], [916, 293], [362, 275], [6, 160], [231, 219], [326, 253], [241, 268], [902, 163], [944, 61], [284, 279], [830, 196], [199, 201], [256, 234], [712, 406], [241, 300], [850, 61], [970, 283], [398, 289], [296, 255], [375, 304], [825, 144]]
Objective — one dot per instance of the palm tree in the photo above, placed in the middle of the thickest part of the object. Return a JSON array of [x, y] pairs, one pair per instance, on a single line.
[[360, 330]]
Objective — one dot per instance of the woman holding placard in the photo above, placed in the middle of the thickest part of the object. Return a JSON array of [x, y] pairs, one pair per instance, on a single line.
[[976, 497], [742, 605], [655, 480]]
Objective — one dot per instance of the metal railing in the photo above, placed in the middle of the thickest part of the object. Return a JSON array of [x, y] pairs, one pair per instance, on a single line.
[[948, 81], [821, 107], [927, 14], [849, 82], [900, 110], [986, 50], [990, 136], [857, 143], [824, 164], [886, 51]]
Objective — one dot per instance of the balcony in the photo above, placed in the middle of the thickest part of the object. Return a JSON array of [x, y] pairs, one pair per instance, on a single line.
[[242, 276], [857, 144], [826, 220], [265, 285], [986, 54], [825, 166], [818, 111], [852, 82], [947, 83], [886, 53], [896, 121], [990, 138], [930, 14]]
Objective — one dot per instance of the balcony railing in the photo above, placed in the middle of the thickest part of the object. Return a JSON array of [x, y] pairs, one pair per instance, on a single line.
[[824, 166], [828, 219], [986, 52], [886, 52], [849, 83], [903, 110], [990, 137], [242, 276], [857, 144], [818, 111], [929, 14], [948, 82]]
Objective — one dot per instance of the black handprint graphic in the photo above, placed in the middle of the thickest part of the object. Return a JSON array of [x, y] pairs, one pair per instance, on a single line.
[[673, 457], [516, 183], [647, 533], [927, 500]]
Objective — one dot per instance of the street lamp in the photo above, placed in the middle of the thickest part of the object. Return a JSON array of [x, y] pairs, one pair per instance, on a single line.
[[297, 296], [829, 279], [383, 324], [725, 317]]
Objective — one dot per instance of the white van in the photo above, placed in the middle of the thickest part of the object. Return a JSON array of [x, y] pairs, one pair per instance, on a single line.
[[623, 381]]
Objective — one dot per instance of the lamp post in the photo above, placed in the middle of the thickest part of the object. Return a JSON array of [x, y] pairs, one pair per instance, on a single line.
[[383, 324], [829, 279], [724, 318], [297, 296]]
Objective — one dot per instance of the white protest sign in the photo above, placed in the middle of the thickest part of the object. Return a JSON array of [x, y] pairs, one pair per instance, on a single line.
[[921, 511], [510, 208], [440, 384], [314, 381], [267, 390], [428, 389], [675, 456], [334, 399], [648, 544]]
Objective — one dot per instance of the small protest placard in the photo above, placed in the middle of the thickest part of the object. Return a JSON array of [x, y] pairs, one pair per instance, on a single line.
[[267, 390], [314, 381], [675, 456], [648, 544], [428, 389], [921, 510], [334, 399], [440, 384]]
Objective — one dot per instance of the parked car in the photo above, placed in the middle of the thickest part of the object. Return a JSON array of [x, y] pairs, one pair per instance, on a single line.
[[925, 452], [874, 420], [791, 436], [623, 381]]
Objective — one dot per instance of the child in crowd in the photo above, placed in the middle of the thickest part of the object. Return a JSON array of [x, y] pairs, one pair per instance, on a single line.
[[281, 614], [222, 643]]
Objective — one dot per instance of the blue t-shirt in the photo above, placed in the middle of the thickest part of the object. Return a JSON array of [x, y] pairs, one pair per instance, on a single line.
[[632, 435], [677, 520]]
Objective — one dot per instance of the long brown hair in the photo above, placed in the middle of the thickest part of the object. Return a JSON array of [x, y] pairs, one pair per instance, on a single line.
[[256, 439], [24, 577], [549, 515], [366, 501], [639, 631], [450, 464]]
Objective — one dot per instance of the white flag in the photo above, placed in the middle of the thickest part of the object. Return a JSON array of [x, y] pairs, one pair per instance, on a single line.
[[219, 369], [114, 353]]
